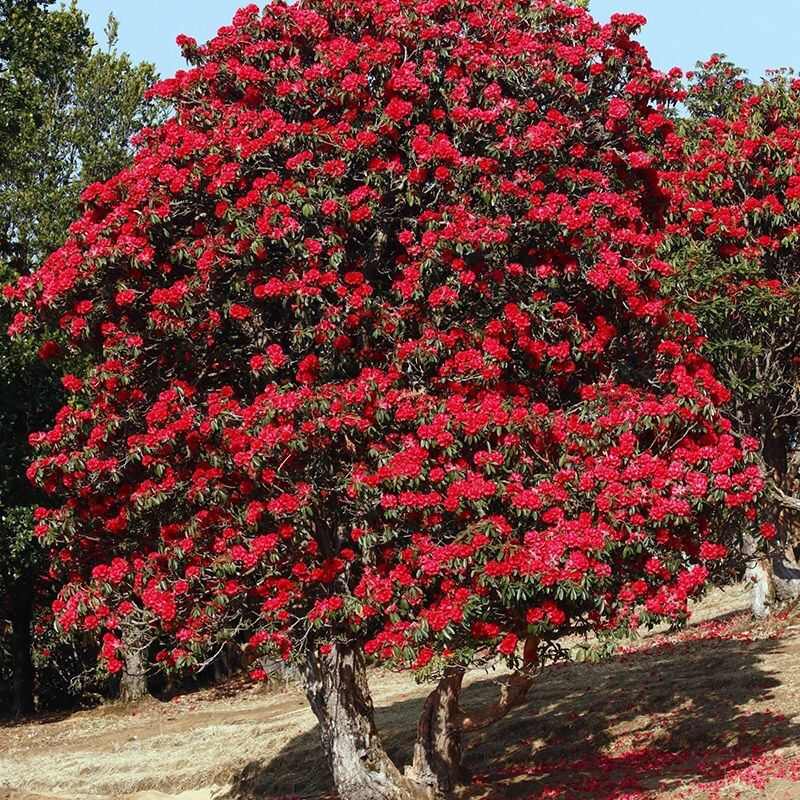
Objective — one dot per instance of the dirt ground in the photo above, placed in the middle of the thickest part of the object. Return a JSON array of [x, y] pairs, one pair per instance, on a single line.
[[710, 712]]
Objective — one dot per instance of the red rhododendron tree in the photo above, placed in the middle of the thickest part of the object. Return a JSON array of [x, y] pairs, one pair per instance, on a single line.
[[382, 363], [735, 228]]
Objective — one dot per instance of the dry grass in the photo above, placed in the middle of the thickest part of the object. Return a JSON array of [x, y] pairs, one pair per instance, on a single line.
[[712, 712]]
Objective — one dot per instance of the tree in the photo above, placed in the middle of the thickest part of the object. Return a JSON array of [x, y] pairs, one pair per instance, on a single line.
[[67, 112], [734, 241], [383, 366]]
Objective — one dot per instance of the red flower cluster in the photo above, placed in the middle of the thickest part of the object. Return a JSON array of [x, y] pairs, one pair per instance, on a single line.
[[379, 346]]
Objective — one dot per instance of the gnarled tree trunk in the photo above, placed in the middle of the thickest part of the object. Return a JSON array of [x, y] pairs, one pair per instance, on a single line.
[[786, 576], [785, 569], [133, 683], [439, 745], [336, 687], [759, 574], [775, 576], [443, 724]]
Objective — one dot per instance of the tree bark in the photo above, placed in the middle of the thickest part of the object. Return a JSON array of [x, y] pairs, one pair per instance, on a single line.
[[787, 501], [776, 455], [778, 577], [439, 747], [336, 687], [21, 641], [133, 683], [759, 573], [775, 575], [786, 576], [785, 571]]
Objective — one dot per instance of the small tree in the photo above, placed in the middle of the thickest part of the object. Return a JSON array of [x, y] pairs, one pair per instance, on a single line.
[[735, 234], [67, 112], [382, 364]]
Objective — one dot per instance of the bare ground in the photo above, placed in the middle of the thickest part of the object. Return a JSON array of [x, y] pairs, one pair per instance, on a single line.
[[711, 712]]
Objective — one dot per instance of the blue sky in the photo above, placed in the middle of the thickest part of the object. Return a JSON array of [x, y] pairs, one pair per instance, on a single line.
[[757, 34]]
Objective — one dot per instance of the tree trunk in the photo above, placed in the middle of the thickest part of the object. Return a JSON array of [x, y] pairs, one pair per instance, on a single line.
[[786, 576], [439, 746], [776, 577], [133, 683], [336, 687], [21, 641], [759, 574], [443, 724], [776, 456]]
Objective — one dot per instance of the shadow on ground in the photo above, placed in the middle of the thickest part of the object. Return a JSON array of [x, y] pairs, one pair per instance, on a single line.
[[680, 713]]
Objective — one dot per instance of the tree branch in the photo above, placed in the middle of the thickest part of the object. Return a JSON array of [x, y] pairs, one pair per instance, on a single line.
[[786, 500], [512, 693]]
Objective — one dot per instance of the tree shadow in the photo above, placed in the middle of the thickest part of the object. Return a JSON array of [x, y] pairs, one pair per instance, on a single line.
[[678, 713], [8, 720]]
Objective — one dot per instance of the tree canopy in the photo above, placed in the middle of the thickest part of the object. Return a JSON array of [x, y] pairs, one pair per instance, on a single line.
[[382, 361]]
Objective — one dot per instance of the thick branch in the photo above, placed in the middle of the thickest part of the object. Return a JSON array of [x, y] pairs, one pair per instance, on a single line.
[[438, 748], [512, 693], [786, 500]]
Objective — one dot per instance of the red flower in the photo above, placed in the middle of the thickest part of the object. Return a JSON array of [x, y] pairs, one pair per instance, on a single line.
[[398, 109], [768, 530], [49, 349], [125, 297], [72, 383], [508, 645], [240, 312]]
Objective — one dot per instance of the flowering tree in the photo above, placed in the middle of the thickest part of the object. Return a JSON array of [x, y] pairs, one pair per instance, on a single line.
[[67, 111], [734, 243], [383, 366]]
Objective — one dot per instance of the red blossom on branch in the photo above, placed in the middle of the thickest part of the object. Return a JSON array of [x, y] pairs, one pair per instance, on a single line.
[[379, 347]]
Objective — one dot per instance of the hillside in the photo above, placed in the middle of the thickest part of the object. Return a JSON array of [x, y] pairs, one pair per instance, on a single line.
[[711, 712]]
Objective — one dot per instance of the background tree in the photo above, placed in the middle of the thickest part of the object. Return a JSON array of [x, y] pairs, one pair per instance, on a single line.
[[735, 243], [68, 110], [382, 364]]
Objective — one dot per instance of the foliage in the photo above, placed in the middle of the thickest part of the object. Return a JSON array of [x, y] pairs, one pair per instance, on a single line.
[[67, 112], [734, 240], [380, 349]]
